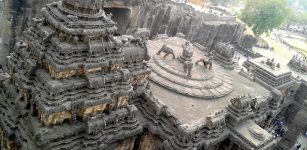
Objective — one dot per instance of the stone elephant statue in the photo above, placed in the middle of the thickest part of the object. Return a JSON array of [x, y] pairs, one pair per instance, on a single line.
[[207, 63], [225, 50], [167, 50]]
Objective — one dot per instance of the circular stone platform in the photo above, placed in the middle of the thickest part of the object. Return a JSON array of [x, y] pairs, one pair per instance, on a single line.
[[257, 133], [168, 72]]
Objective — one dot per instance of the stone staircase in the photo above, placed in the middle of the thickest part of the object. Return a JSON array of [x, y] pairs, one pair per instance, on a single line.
[[237, 66], [207, 85]]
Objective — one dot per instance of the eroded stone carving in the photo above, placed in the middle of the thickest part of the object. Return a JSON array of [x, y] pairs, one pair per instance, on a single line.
[[298, 63], [187, 52], [223, 53], [187, 67], [208, 62], [167, 50]]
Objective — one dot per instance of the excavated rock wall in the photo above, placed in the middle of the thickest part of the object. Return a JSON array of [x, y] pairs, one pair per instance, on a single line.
[[161, 17], [3, 28], [171, 18], [19, 13]]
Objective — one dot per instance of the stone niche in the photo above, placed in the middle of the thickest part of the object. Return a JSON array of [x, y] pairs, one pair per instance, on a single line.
[[64, 74], [91, 111], [69, 73], [116, 67], [55, 118], [138, 79], [122, 101], [7, 144]]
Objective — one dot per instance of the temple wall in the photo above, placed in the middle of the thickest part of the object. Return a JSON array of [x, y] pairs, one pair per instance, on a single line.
[[301, 94], [295, 129], [55, 118], [296, 116], [170, 19]]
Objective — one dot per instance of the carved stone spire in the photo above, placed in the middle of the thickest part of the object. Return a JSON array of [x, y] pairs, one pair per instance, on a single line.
[[84, 6]]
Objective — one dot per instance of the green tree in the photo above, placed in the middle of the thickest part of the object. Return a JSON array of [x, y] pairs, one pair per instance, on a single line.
[[264, 15]]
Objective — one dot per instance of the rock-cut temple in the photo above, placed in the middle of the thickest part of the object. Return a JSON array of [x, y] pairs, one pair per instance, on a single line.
[[73, 83]]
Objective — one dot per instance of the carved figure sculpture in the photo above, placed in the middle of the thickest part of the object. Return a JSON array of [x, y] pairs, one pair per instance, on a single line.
[[166, 49], [223, 54], [3, 75], [225, 50], [298, 64], [207, 62], [271, 63], [142, 33], [187, 68], [21, 45], [216, 119], [241, 102], [187, 52], [72, 18]]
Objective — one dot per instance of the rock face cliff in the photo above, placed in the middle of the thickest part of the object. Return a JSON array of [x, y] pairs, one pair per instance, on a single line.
[[160, 17], [171, 18], [17, 15]]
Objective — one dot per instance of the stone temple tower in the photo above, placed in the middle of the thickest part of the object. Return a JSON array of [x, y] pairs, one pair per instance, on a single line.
[[70, 82]]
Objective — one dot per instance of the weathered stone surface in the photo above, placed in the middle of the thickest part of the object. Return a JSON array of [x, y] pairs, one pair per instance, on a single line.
[[171, 18], [158, 16]]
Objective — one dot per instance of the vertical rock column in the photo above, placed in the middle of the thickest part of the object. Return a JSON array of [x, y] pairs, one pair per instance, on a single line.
[[294, 131], [127, 144], [148, 141], [4, 24]]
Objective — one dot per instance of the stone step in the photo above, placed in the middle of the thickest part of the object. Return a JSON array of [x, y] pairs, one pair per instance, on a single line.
[[186, 87], [212, 83]]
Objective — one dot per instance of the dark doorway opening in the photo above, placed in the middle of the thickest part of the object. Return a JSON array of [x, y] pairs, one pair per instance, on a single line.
[[138, 139], [121, 16]]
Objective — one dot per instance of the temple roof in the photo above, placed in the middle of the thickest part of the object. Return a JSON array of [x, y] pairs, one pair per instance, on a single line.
[[85, 4], [275, 72], [78, 21]]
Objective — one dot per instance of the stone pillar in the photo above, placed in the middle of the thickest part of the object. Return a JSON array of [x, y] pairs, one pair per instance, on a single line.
[[147, 141], [126, 144], [294, 130]]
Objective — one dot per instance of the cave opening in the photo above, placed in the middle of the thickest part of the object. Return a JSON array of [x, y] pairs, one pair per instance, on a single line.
[[121, 15]]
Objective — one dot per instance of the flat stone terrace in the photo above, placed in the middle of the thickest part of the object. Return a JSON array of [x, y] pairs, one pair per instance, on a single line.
[[192, 110]]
